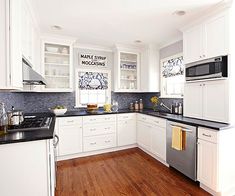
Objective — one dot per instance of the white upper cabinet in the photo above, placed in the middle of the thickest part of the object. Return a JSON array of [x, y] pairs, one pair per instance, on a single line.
[[127, 70], [150, 69], [208, 39], [217, 35], [193, 44], [207, 100], [57, 64]]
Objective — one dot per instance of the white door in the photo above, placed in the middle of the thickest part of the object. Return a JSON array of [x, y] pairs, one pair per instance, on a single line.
[[193, 44], [126, 132], [70, 140], [144, 135], [158, 142], [215, 101], [216, 36], [193, 100], [207, 168]]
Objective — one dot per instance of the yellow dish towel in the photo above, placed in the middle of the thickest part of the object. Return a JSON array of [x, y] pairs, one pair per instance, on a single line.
[[177, 138]]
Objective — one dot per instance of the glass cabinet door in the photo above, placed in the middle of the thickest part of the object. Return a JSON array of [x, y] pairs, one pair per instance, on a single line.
[[128, 71], [57, 66]]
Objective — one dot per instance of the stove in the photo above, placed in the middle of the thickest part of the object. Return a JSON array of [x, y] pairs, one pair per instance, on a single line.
[[32, 123]]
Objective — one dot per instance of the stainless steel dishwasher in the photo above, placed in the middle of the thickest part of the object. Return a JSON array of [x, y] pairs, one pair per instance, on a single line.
[[185, 160]]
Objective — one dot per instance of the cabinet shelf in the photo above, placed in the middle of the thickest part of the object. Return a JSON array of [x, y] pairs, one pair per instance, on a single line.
[[55, 53], [59, 64], [123, 69], [129, 79], [56, 76], [128, 61]]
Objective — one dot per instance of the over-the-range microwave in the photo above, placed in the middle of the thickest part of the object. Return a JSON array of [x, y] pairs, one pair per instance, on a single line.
[[210, 68]]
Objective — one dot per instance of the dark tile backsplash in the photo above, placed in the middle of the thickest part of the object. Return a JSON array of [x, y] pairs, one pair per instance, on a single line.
[[40, 102]]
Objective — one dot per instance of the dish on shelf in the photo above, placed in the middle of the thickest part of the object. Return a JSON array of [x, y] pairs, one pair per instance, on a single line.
[[51, 49]]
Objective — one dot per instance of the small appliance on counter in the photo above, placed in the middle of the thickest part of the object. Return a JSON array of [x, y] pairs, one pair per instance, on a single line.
[[15, 117]]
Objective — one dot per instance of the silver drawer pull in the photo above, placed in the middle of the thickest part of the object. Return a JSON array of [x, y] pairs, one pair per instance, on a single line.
[[144, 118], [206, 135], [70, 121], [182, 128], [92, 129], [107, 118], [93, 143], [107, 141], [125, 116], [107, 128], [92, 119], [156, 121]]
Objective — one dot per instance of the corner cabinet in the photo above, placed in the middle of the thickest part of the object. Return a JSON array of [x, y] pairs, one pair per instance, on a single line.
[[201, 41], [127, 70], [57, 64]]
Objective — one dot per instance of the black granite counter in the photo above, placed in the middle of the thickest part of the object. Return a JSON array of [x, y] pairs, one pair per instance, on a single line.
[[173, 117], [30, 135]]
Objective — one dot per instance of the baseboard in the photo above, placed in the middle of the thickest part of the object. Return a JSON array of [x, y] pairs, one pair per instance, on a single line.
[[85, 154]]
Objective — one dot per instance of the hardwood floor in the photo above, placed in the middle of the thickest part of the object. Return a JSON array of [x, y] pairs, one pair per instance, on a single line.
[[127, 172]]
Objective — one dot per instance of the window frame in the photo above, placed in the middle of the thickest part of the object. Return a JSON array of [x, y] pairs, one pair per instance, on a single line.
[[77, 90], [163, 92]]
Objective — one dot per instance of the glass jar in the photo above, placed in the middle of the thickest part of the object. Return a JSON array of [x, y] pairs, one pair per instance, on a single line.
[[114, 106], [3, 119]]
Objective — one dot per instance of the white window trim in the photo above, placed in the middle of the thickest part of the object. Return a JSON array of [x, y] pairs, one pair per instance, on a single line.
[[77, 104], [163, 95]]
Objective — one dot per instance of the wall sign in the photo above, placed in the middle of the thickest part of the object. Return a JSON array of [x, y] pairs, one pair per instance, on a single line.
[[92, 60]]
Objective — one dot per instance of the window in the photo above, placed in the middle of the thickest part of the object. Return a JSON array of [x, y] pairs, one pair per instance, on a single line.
[[172, 77], [93, 86]]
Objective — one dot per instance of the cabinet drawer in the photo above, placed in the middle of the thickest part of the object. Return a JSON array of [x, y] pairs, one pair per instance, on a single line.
[[121, 117], [68, 121], [99, 119], [152, 120], [99, 129], [207, 134], [99, 142]]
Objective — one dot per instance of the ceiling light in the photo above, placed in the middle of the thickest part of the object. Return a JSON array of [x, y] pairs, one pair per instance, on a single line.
[[56, 27], [179, 13], [138, 41]]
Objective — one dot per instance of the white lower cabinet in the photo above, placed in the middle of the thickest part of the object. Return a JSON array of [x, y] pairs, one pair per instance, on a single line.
[[126, 129], [216, 172], [99, 142], [151, 135], [70, 135], [99, 132], [26, 169]]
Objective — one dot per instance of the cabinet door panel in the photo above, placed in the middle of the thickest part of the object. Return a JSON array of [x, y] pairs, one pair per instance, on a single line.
[[216, 43], [207, 167], [193, 100], [215, 101], [126, 132], [158, 142], [70, 140], [143, 135], [193, 44]]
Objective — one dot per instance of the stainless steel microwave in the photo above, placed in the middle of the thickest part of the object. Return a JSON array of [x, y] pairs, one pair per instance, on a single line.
[[210, 68]]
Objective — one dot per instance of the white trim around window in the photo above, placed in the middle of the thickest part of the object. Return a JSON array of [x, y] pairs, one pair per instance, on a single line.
[[163, 80], [78, 91]]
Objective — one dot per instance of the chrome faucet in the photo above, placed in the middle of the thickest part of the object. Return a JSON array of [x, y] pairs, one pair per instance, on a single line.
[[170, 109]]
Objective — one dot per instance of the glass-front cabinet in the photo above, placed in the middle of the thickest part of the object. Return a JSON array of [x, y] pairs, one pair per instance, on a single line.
[[127, 76], [57, 66]]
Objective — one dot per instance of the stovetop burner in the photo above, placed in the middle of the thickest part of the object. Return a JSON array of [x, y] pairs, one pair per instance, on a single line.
[[32, 123]]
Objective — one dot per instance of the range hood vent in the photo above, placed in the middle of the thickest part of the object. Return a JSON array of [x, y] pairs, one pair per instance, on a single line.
[[31, 77]]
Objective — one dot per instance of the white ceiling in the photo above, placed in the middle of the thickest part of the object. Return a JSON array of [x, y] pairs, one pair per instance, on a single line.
[[106, 22]]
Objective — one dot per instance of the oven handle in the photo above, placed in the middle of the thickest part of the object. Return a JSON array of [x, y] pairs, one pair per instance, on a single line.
[[183, 129], [57, 140]]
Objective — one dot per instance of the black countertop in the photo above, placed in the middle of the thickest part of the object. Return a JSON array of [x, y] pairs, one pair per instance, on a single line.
[[30, 135], [173, 117]]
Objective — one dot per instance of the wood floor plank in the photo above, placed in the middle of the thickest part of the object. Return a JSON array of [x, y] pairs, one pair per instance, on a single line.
[[129, 172]]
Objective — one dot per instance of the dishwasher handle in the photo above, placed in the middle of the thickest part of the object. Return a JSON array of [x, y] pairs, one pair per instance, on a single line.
[[182, 128]]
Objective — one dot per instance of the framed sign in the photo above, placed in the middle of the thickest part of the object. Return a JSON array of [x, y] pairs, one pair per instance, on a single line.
[[92, 60]]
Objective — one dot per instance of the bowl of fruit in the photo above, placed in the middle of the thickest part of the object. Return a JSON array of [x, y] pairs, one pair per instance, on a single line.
[[58, 110]]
